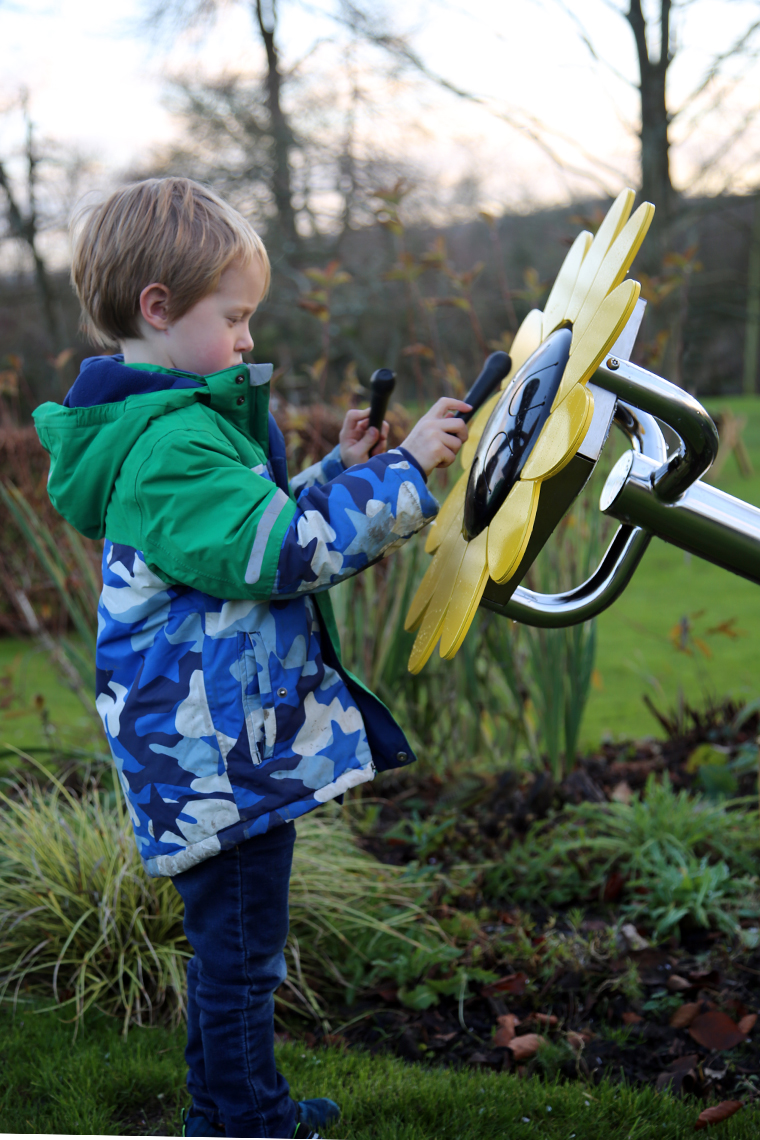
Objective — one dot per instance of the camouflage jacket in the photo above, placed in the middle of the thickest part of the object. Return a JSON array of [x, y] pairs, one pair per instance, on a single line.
[[220, 684]]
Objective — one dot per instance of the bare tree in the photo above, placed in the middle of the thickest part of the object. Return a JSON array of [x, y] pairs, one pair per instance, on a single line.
[[656, 185], [22, 220], [277, 130], [281, 131], [656, 51]]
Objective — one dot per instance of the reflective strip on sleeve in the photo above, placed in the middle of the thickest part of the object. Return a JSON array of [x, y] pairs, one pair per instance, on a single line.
[[275, 507]]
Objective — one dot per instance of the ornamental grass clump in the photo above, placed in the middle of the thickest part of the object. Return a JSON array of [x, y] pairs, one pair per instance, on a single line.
[[80, 921], [82, 925]]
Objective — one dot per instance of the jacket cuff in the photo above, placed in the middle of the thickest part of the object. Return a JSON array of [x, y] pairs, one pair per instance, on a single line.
[[332, 464], [410, 459]]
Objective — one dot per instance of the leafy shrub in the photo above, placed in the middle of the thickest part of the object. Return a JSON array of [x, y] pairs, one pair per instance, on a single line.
[[683, 857], [679, 886]]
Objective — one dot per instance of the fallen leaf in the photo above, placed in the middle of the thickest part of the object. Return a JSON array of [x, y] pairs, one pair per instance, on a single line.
[[613, 888], [622, 793], [716, 1031], [687, 1062], [684, 1015], [676, 983], [717, 1112], [631, 1018], [506, 1031], [633, 938], [512, 984], [677, 1081], [526, 1046], [544, 1018], [709, 978], [747, 1023]]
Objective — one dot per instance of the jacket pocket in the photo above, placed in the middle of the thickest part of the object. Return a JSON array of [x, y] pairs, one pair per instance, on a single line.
[[258, 702]]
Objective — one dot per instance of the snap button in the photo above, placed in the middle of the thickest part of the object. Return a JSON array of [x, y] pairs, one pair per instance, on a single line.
[[282, 692], [402, 757], [240, 400], [240, 379]]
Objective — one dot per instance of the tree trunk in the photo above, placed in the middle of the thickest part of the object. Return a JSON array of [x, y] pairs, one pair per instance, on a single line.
[[752, 330], [656, 185], [282, 135], [25, 229]]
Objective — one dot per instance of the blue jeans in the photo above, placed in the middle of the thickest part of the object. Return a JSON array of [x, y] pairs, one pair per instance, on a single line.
[[236, 920]]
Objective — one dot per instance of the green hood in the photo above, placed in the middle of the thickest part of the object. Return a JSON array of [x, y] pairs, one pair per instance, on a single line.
[[112, 407], [88, 447]]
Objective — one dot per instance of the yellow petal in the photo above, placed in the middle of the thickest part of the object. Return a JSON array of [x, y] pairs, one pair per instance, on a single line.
[[432, 577], [605, 327], [617, 216], [450, 514], [465, 597], [562, 289], [527, 340], [434, 615], [510, 530], [615, 266], [476, 427], [561, 435]]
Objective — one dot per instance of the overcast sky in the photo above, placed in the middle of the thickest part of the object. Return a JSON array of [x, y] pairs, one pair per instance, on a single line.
[[98, 82]]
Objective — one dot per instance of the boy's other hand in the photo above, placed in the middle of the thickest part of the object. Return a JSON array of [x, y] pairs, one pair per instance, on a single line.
[[436, 438], [358, 441]]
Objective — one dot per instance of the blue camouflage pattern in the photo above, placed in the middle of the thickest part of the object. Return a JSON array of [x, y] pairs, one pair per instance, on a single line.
[[228, 717]]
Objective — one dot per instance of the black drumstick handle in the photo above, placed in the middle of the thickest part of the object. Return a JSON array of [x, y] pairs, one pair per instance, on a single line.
[[494, 370], [381, 385]]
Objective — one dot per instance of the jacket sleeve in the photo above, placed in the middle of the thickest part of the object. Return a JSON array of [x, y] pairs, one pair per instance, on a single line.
[[328, 468], [209, 522]]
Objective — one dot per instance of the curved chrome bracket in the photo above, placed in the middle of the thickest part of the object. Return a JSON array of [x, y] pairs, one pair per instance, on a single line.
[[598, 592], [620, 560]]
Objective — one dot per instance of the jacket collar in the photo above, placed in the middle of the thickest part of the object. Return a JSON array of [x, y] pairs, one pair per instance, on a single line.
[[108, 380]]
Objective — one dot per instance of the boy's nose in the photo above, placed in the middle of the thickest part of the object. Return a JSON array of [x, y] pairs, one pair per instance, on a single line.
[[244, 342]]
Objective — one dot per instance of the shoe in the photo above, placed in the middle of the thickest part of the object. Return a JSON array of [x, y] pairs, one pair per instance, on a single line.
[[313, 1114], [194, 1123]]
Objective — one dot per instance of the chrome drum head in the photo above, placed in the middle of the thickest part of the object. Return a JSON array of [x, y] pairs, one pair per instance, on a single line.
[[512, 431]]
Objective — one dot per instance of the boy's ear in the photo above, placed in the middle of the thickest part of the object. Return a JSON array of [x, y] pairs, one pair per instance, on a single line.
[[154, 305]]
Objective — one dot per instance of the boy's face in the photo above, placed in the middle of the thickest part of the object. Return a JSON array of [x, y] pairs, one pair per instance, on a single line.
[[214, 333]]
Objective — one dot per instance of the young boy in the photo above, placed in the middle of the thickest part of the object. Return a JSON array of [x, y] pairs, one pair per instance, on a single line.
[[220, 685]]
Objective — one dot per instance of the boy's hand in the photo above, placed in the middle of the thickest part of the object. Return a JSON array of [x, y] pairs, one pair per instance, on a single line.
[[436, 438], [358, 440]]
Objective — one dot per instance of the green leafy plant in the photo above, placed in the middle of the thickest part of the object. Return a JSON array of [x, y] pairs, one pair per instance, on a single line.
[[453, 709], [677, 886], [680, 857]]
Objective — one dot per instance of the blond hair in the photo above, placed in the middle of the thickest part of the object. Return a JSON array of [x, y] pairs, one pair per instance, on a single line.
[[167, 230]]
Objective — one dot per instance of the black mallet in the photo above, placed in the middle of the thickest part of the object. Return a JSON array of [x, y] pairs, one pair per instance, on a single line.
[[382, 382]]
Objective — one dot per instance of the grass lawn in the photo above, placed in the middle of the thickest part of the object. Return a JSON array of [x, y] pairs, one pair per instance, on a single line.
[[635, 654], [102, 1083], [37, 709]]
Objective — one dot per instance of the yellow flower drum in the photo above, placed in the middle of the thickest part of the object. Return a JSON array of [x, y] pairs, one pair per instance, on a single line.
[[476, 536]]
